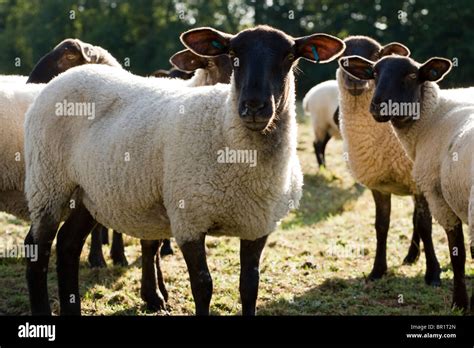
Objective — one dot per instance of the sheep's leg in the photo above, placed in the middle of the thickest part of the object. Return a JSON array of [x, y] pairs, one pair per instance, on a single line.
[[38, 243], [457, 252], [250, 252], [423, 227], [71, 238], [117, 250], [159, 275], [320, 148], [96, 257], [201, 282], [382, 223], [414, 250], [166, 248], [104, 235], [154, 299]]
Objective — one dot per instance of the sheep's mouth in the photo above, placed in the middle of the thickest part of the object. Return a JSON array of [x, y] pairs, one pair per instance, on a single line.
[[256, 125]]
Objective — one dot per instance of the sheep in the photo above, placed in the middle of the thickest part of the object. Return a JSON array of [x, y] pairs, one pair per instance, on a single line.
[[172, 73], [436, 129], [377, 160], [321, 103], [13, 79], [69, 53], [180, 180]]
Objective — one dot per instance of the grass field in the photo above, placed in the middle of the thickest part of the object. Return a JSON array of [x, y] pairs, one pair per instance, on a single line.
[[316, 263]]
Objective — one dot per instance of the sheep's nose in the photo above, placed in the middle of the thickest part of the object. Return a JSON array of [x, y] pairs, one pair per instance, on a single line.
[[254, 106]]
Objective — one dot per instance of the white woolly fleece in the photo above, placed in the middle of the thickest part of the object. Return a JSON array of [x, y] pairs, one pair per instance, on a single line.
[[441, 143], [15, 98], [375, 156], [172, 184], [19, 79], [320, 103]]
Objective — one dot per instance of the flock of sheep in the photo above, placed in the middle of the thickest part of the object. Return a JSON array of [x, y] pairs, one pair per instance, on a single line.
[[88, 144]]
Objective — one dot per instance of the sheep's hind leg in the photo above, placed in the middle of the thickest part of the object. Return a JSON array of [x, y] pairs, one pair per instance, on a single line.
[[382, 223], [38, 243], [423, 226], [320, 148], [194, 253], [414, 250], [96, 257], [250, 252], [71, 238], [154, 299], [117, 250], [166, 248], [457, 252]]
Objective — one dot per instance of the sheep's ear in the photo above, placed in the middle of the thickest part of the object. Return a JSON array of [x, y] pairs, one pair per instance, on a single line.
[[358, 67], [188, 61], [319, 48], [394, 48], [207, 42], [89, 52], [435, 69]]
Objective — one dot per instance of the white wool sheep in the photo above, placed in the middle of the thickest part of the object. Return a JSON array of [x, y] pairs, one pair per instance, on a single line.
[[15, 98], [320, 103], [125, 199], [437, 133], [13, 79], [377, 160]]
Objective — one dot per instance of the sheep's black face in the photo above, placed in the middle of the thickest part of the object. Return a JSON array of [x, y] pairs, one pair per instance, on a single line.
[[398, 84], [67, 54], [262, 59], [364, 47]]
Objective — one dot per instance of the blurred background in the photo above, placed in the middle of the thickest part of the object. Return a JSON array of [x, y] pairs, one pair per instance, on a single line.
[[145, 32]]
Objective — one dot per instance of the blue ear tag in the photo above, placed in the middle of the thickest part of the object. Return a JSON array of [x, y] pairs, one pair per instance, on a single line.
[[216, 44], [315, 53]]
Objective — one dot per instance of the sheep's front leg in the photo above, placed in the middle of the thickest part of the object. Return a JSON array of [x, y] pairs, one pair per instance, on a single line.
[[194, 253], [96, 257], [38, 244], [320, 149], [71, 238], [414, 250], [382, 223], [250, 252], [154, 299], [457, 252], [423, 227], [117, 250], [166, 248]]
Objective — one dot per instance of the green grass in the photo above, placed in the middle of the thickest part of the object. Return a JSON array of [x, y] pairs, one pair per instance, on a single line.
[[316, 263]]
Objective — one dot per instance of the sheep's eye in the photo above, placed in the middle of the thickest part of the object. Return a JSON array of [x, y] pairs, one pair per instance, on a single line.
[[412, 76], [70, 56], [290, 57], [232, 53]]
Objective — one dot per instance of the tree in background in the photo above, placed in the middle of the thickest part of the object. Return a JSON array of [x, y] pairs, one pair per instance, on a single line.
[[143, 34]]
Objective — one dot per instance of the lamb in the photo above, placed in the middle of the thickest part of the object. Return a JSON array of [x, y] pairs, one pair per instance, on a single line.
[[436, 128], [175, 183], [377, 160], [321, 103]]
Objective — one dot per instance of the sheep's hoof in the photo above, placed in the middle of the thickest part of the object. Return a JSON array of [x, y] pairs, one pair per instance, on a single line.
[[154, 301], [166, 250], [461, 301], [377, 274], [411, 258], [119, 260], [97, 262], [433, 278]]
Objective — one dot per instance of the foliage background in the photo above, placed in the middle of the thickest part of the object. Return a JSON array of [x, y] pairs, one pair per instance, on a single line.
[[146, 31]]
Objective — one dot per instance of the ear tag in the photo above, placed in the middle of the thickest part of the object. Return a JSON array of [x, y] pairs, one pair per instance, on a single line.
[[217, 44], [315, 53], [434, 73]]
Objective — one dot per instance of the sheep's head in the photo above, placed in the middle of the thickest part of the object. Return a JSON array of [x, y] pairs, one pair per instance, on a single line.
[[262, 58], [398, 82], [219, 68], [67, 54], [370, 49]]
